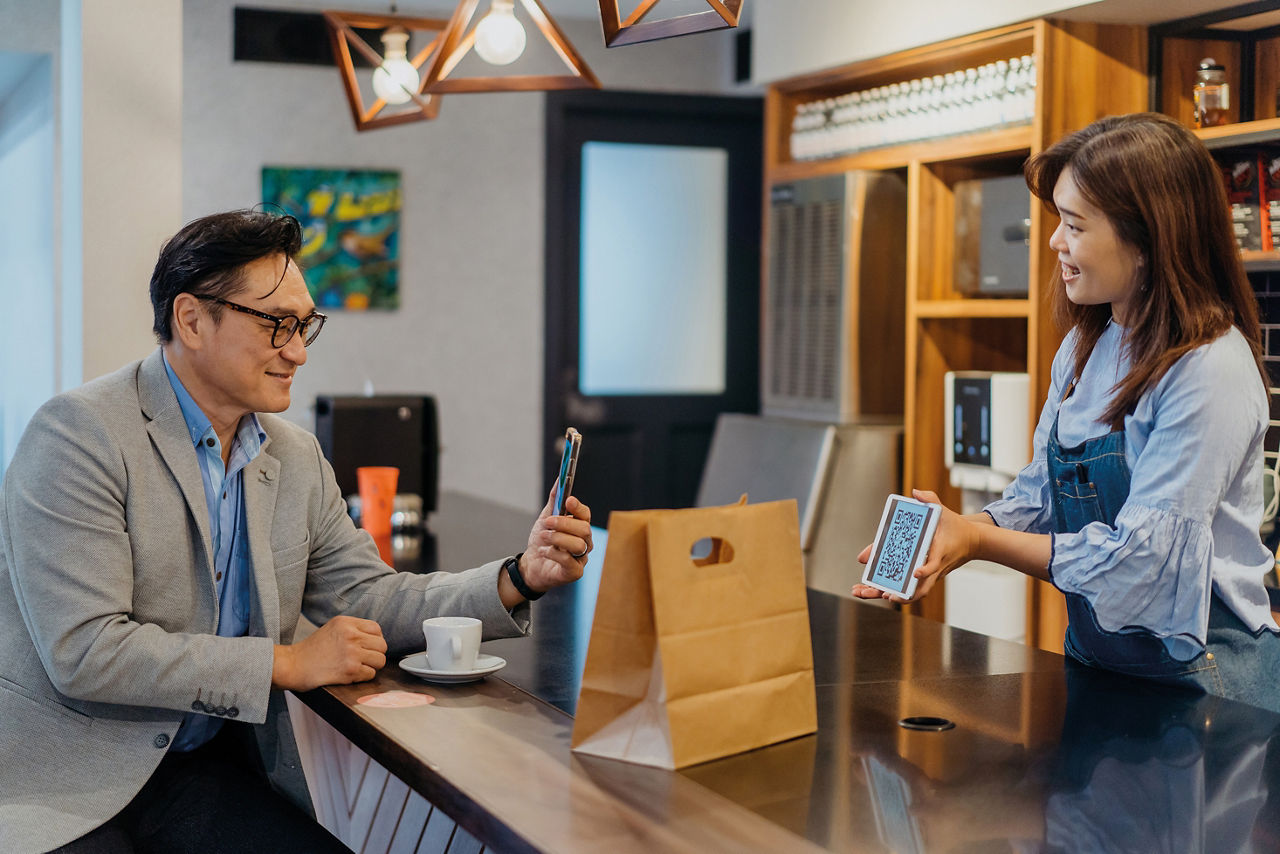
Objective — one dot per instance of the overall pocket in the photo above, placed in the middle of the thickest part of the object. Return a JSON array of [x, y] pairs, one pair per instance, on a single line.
[[1077, 505]]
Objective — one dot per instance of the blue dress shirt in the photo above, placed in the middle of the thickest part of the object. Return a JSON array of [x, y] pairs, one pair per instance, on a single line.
[[224, 498]]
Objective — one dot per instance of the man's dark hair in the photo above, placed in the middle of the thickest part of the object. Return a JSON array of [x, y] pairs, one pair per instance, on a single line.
[[207, 258]]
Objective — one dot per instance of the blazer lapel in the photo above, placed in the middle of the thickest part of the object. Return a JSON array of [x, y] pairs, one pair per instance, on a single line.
[[261, 484], [169, 434]]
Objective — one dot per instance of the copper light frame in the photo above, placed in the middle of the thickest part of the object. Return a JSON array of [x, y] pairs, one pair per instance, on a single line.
[[722, 15], [342, 37], [457, 41]]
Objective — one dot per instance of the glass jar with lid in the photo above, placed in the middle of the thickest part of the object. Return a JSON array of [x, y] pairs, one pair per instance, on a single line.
[[1210, 95]]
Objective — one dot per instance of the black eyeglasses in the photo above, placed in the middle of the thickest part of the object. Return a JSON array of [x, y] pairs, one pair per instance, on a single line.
[[284, 327]]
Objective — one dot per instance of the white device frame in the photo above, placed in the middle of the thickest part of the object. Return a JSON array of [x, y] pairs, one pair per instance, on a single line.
[[925, 537]]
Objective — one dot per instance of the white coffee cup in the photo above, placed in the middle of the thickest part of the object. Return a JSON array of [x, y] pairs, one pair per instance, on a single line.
[[452, 643]]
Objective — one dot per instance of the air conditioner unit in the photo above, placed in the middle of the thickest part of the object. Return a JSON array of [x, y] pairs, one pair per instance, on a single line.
[[835, 298]]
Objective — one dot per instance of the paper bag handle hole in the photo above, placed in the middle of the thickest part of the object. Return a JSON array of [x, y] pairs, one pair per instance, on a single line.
[[710, 550]]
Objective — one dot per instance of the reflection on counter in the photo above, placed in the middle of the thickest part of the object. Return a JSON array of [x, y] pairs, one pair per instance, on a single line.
[[1128, 767], [1139, 771]]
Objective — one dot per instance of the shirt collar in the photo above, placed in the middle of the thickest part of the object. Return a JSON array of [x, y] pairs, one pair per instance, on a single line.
[[199, 425]]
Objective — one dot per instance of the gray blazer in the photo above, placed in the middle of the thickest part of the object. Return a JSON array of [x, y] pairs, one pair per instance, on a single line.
[[108, 604]]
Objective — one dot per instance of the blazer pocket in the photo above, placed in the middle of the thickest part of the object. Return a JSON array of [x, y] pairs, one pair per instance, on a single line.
[[291, 556], [12, 692]]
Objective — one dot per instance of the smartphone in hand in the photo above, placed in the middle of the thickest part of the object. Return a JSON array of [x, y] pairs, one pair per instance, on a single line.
[[568, 467]]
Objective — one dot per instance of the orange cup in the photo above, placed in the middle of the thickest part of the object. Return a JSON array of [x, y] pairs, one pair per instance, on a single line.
[[386, 549], [377, 494]]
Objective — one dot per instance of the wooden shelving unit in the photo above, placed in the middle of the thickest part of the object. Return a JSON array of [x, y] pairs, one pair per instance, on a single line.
[[1083, 71], [1240, 133], [975, 145], [1246, 40], [973, 308]]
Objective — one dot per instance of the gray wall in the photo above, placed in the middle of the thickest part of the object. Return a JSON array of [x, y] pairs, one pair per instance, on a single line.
[[470, 326], [794, 37], [130, 150], [802, 36]]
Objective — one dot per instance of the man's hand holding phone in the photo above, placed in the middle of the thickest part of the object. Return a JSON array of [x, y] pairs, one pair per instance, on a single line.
[[561, 538]]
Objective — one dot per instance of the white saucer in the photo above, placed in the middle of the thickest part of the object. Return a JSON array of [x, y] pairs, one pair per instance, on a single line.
[[485, 664]]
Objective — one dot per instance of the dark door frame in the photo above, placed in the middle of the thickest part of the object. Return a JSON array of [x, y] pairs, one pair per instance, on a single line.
[[566, 112]]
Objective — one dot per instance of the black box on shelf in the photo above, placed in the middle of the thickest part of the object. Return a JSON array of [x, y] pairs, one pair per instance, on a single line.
[[383, 430], [993, 236]]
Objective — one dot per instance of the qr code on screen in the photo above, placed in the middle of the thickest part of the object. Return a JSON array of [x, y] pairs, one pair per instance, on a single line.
[[898, 547]]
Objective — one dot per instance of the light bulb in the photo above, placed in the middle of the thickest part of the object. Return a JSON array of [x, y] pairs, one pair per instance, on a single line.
[[499, 36], [395, 78]]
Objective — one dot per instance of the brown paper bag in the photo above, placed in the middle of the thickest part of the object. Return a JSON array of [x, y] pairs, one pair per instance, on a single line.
[[691, 660]]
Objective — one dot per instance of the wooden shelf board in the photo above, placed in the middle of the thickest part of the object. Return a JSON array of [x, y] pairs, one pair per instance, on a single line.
[[969, 146], [1240, 133], [971, 308], [1254, 260]]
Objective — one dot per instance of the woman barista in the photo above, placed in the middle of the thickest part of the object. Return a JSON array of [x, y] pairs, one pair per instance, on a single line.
[[1144, 498]]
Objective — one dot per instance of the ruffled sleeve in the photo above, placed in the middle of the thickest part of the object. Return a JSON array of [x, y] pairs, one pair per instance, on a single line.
[[1150, 572]]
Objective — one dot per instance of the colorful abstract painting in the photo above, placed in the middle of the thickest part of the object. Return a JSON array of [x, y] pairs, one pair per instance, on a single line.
[[351, 232]]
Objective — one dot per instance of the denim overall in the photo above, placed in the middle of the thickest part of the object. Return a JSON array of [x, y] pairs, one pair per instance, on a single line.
[[1091, 483]]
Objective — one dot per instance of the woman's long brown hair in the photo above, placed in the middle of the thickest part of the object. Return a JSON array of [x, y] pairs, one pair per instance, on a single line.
[[1163, 193]]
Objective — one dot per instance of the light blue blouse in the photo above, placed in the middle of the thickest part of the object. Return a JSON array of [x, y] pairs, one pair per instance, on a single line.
[[1190, 524]]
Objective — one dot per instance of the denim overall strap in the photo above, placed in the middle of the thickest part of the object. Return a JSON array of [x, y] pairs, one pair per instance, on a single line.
[[1091, 480]]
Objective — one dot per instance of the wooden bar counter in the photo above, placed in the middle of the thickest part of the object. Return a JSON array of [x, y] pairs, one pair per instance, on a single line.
[[1043, 755]]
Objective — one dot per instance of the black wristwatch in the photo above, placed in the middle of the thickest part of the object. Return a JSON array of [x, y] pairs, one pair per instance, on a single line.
[[512, 566]]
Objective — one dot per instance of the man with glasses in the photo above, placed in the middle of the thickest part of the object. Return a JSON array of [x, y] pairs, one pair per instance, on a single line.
[[161, 535]]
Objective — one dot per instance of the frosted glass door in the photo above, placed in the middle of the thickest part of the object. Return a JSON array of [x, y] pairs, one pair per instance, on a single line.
[[653, 269]]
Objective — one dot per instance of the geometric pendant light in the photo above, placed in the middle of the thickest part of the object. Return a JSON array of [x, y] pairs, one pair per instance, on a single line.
[[722, 14], [498, 38], [395, 76]]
